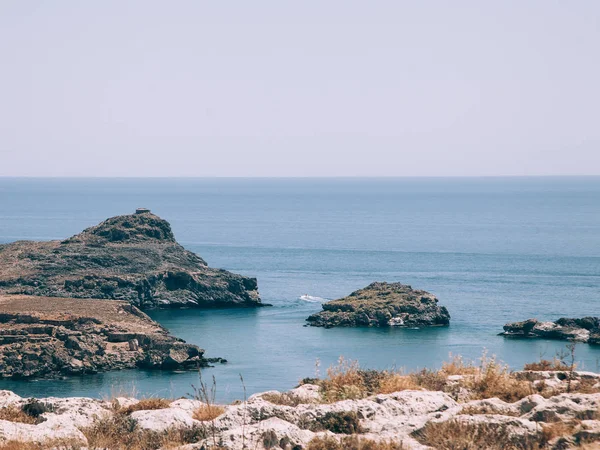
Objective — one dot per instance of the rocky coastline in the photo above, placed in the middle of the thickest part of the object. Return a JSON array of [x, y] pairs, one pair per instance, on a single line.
[[42, 337], [133, 258], [457, 407], [382, 305], [586, 329]]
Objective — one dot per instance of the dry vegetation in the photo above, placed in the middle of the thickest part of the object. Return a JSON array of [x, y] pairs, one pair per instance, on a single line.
[[120, 432], [487, 379], [146, 404], [208, 412], [544, 364], [14, 414], [458, 435], [352, 443], [284, 398]]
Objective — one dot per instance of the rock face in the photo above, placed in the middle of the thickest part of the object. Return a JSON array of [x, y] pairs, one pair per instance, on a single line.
[[586, 329], [51, 337], [382, 305], [133, 257]]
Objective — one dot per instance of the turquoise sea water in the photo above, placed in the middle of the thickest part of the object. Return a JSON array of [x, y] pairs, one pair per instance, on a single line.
[[493, 250]]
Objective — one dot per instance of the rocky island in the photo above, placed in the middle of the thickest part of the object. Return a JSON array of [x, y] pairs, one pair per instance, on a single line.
[[45, 337], [586, 329], [381, 305], [134, 258]]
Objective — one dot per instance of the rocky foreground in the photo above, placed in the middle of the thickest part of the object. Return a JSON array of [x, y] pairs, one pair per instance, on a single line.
[[382, 305], [586, 329], [43, 337], [458, 407], [134, 258]]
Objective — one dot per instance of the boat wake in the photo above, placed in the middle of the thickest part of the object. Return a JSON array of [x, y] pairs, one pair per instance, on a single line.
[[312, 298]]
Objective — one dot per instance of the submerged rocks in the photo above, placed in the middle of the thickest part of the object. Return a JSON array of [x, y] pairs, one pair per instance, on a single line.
[[51, 337], [381, 305], [586, 329], [132, 257]]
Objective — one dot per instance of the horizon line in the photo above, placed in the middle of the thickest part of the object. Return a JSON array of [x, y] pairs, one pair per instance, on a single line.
[[299, 177]]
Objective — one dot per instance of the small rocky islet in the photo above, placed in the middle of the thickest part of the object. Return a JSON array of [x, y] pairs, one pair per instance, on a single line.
[[585, 329], [382, 304]]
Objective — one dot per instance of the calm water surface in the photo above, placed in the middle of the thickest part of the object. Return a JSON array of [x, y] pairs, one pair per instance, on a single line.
[[493, 250]]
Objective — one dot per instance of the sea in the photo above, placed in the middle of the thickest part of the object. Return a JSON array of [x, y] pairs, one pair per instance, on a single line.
[[493, 250]]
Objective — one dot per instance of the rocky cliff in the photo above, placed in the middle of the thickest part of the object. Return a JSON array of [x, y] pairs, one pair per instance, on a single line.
[[382, 305], [45, 337], [586, 329], [132, 257]]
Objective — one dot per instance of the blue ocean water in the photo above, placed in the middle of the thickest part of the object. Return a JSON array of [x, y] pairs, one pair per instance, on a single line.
[[492, 249]]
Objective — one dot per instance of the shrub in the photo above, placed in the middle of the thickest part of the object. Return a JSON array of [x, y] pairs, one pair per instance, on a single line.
[[344, 422], [34, 408]]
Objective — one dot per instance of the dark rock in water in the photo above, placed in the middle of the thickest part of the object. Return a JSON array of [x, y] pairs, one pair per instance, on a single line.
[[586, 329], [133, 257], [44, 337], [382, 305]]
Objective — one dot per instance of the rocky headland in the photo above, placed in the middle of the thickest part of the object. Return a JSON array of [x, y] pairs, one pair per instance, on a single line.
[[134, 258], [586, 329], [457, 407], [381, 305], [43, 337]]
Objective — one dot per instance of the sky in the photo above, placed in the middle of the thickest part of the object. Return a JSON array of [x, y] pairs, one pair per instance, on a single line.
[[306, 88]]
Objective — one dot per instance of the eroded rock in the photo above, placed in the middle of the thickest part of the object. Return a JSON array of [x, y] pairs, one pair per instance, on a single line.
[[383, 305]]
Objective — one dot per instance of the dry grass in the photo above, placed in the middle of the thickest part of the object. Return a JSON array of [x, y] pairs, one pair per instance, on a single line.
[[558, 429], [493, 379], [54, 444], [14, 414], [483, 409], [343, 382], [352, 443], [120, 432], [394, 382], [457, 366], [208, 412], [546, 365], [347, 380], [146, 404], [458, 435], [284, 399]]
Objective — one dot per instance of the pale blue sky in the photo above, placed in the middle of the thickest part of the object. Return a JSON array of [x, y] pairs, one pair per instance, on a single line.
[[305, 88]]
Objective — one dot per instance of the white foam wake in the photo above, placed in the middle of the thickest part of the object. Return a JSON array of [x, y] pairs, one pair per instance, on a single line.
[[312, 298]]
